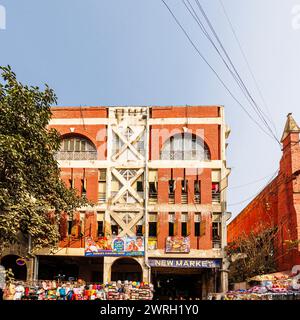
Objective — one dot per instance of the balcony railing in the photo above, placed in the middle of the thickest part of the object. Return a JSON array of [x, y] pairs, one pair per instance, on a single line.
[[153, 197], [101, 197], [185, 155], [216, 197], [197, 198], [171, 197], [184, 198], [76, 155], [216, 244]]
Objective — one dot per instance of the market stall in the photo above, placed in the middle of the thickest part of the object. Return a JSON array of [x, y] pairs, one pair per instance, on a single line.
[[79, 290], [276, 286]]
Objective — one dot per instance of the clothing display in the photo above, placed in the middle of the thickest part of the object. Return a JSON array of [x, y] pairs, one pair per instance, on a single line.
[[268, 287], [52, 290]]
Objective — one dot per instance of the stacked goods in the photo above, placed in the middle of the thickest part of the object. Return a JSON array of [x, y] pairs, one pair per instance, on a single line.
[[79, 290], [270, 288]]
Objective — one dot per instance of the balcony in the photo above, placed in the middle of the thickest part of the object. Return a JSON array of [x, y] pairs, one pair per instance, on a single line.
[[153, 197], [76, 155], [171, 198], [185, 155], [197, 198], [216, 197], [184, 198], [217, 244], [101, 197]]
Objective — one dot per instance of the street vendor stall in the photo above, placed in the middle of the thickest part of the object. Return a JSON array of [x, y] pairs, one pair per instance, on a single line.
[[275, 286]]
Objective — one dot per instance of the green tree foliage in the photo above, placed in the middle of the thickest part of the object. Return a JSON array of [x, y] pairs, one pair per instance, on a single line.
[[32, 195]]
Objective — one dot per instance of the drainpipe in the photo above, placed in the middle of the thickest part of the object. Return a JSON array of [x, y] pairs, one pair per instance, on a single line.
[[147, 194]]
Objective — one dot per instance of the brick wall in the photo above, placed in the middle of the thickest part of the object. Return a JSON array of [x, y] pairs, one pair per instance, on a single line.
[[277, 205]]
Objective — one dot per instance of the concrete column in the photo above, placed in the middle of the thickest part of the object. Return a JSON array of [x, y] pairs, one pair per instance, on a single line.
[[224, 281], [36, 268], [30, 269], [107, 263], [224, 275]]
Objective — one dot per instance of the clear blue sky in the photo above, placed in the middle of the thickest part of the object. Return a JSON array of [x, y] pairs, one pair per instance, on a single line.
[[130, 52]]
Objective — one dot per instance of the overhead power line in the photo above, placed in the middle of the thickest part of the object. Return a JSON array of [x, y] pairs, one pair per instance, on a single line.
[[232, 69], [250, 183], [258, 193], [213, 70], [248, 64]]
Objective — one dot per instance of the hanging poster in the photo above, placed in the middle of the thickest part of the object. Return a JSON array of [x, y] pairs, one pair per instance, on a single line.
[[115, 246], [178, 244]]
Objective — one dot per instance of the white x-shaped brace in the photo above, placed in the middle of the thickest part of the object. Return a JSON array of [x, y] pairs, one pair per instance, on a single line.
[[127, 185], [126, 228], [128, 144]]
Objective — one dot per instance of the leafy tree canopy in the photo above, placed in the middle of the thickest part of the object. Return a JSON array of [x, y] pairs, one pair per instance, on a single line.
[[32, 195]]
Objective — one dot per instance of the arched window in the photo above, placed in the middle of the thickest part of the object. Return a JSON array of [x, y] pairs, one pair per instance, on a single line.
[[76, 148], [185, 146]]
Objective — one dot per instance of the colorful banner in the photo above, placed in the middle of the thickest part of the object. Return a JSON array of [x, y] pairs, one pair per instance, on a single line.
[[177, 245], [185, 263], [117, 246]]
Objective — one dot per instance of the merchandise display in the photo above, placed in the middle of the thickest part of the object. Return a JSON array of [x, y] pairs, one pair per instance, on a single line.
[[79, 290], [268, 287]]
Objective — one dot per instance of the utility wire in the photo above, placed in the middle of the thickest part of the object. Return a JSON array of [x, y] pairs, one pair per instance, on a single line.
[[250, 183], [203, 29], [240, 81], [213, 70], [257, 194], [259, 111], [248, 64]]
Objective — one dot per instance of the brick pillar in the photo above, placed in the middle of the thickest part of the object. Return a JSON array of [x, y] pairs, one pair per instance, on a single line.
[[92, 185], [178, 177], [206, 184], [163, 185], [90, 224], [206, 240], [78, 176], [177, 224], [162, 229], [63, 225], [193, 239]]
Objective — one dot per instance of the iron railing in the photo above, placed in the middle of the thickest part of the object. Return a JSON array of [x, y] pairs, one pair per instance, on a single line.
[[101, 197], [216, 197], [185, 155], [76, 155]]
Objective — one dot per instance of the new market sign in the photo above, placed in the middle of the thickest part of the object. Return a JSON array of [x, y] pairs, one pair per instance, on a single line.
[[119, 246], [185, 263]]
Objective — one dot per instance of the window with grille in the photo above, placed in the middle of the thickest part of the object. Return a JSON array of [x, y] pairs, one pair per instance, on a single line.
[[76, 148], [185, 146]]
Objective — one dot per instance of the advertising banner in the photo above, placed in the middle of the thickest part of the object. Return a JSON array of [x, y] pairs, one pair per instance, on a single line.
[[117, 246], [177, 245]]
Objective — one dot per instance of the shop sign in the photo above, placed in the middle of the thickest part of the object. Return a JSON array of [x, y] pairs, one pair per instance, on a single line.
[[119, 246], [178, 245], [185, 263]]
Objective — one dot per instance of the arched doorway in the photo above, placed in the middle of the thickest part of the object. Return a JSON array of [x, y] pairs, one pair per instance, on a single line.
[[126, 269], [10, 262]]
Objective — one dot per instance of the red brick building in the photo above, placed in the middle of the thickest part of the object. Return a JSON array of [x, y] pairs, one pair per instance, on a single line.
[[278, 204], [157, 177]]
